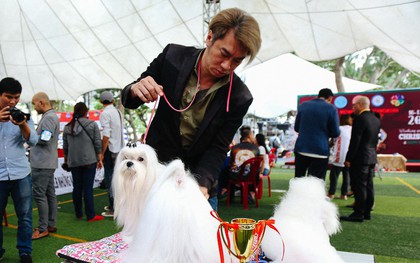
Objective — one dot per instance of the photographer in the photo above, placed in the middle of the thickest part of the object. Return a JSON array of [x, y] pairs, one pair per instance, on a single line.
[[15, 177]]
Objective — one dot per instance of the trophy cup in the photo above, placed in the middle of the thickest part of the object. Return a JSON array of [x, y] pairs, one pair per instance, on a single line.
[[247, 235]]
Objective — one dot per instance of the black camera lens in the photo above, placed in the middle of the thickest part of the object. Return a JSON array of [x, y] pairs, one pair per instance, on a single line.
[[18, 115]]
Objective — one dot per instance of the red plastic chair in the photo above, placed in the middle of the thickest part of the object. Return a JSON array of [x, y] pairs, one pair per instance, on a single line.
[[244, 178], [272, 155], [261, 183], [5, 218]]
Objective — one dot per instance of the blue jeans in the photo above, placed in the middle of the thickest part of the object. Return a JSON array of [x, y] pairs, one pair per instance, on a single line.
[[213, 202], [83, 178], [21, 192]]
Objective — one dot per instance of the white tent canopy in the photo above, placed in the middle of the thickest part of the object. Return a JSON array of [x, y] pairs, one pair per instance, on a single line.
[[276, 83], [69, 47]]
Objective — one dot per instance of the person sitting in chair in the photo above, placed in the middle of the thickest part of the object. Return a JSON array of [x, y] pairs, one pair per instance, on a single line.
[[239, 153]]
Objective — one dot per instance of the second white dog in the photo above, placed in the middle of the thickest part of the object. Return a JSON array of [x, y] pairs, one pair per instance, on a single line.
[[305, 218]]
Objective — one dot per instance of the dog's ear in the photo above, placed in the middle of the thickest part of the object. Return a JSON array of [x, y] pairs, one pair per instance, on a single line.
[[176, 170]]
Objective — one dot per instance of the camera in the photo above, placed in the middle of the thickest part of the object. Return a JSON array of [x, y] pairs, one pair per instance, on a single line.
[[18, 115]]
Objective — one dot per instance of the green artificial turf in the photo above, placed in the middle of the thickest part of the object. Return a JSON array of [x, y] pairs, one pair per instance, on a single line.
[[393, 234]]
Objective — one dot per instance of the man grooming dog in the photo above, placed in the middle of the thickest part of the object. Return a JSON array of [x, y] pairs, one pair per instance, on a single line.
[[204, 100]]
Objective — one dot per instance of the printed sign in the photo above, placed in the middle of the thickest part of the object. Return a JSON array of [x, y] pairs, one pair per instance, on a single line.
[[399, 111]]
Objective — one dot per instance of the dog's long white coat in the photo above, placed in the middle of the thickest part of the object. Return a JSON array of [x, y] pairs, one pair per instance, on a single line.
[[134, 174], [305, 218], [164, 215]]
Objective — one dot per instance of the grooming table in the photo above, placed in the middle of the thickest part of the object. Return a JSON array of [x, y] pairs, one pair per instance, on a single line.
[[101, 251], [106, 250]]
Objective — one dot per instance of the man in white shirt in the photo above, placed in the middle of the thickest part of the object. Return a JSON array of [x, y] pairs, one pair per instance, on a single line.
[[112, 141]]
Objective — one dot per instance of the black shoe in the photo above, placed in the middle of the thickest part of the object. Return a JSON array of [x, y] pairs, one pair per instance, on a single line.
[[102, 185], [25, 258], [1, 255], [251, 200], [367, 216], [352, 218]]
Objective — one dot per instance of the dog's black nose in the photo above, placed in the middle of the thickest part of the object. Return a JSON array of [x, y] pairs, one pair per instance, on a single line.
[[129, 164]]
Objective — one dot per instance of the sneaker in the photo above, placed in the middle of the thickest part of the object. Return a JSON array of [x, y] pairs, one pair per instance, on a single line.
[[25, 258], [52, 229], [96, 218], [344, 197], [107, 214], [107, 208], [37, 235], [330, 196]]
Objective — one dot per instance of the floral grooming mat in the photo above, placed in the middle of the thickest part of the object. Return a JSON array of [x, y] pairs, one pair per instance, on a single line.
[[100, 251]]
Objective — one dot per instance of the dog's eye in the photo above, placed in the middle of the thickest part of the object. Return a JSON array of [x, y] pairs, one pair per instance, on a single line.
[[140, 159]]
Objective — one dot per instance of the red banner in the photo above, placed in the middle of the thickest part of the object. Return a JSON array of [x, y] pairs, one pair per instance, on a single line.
[[65, 117], [400, 118]]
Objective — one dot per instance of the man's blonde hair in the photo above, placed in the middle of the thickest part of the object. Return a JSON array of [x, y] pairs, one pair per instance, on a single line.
[[246, 29]]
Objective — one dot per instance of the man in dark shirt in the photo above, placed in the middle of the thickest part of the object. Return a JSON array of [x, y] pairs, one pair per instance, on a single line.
[[361, 158], [203, 101]]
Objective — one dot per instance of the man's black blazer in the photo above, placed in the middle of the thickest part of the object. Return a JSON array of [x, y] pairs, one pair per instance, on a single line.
[[364, 139], [171, 69]]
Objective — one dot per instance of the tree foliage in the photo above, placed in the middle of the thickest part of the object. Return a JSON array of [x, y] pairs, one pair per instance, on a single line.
[[372, 65], [135, 120]]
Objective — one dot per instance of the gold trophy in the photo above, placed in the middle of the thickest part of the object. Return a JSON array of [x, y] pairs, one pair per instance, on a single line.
[[247, 235]]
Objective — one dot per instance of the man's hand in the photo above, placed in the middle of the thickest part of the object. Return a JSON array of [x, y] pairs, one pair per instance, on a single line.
[[146, 89], [99, 165], [205, 192], [23, 126], [22, 123], [347, 164], [5, 114]]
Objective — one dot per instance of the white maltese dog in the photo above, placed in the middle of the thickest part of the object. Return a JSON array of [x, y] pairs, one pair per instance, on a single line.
[[136, 169], [163, 211], [305, 219]]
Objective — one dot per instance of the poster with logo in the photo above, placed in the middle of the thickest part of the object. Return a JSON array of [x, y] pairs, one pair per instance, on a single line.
[[399, 111]]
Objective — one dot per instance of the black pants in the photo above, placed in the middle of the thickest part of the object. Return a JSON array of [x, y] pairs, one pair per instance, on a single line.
[[109, 163], [334, 174], [361, 181], [315, 166]]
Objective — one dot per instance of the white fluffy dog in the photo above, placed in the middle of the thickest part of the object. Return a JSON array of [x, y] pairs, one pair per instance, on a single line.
[[162, 210], [136, 169], [305, 218]]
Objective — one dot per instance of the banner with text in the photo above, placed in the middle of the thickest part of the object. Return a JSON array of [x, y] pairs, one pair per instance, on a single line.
[[400, 118]]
